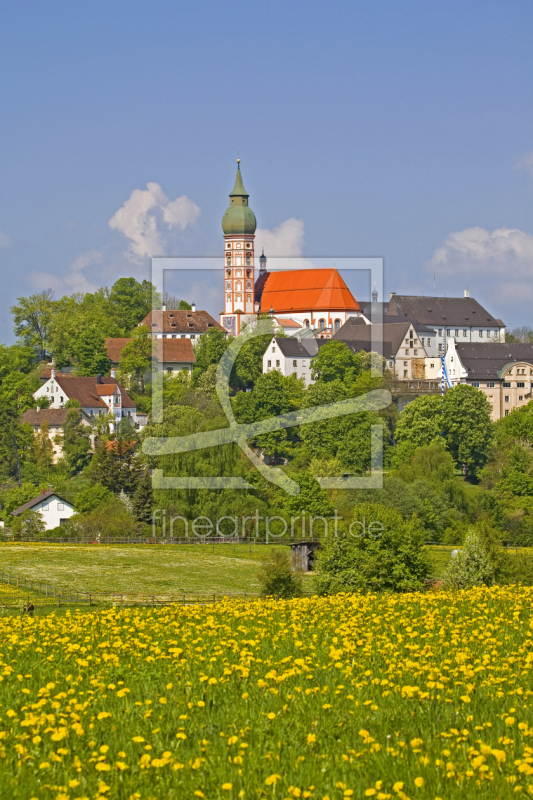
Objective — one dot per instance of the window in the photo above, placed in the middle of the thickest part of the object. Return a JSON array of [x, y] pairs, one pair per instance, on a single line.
[[506, 385], [490, 385], [277, 364], [44, 507], [520, 396], [465, 333], [303, 363], [405, 363], [60, 507], [294, 363], [481, 334], [456, 332], [407, 341], [506, 398], [337, 325], [306, 323], [475, 384], [416, 352], [47, 388], [269, 363], [321, 324], [61, 399], [406, 351], [448, 332], [432, 366], [169, 370], [507, 412], [429, 342], [304, 376], [294, 374], [405, 373], [248, 261], [440, 331], [520, 385], [422, 342], [274, 349]]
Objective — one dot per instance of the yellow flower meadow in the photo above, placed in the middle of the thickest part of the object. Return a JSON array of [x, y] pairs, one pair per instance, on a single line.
[[397, 696]]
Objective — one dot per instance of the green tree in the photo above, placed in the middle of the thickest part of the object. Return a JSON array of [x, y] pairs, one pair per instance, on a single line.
[[468, 426], [32, 317], [421, 422], [76, 442], [380, 552], [143, 499], [210, 348], [471, 566], [91, 354], [273, 395], [184, 306], [115, 463], [276, 578], [312, 499], [336, 362], [15, 498], [91, 498], [44, 449], [29, 524], [131, 301], [136, 359]]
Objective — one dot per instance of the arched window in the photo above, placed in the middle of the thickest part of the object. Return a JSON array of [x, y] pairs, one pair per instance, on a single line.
[[338, 323], [238, 286], [229, 298], [248, 273], [228, 262], [228, 273], [321, 324], [248, 262], [306, 323]]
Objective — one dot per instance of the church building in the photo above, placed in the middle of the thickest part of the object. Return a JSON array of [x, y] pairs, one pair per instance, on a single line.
[[302, 298]]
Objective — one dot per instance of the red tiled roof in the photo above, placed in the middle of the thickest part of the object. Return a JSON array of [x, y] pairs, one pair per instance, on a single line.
[[288, 323], [306, 290], [179, 322], [86, 390], [114, 348], [178, 350], [104, 389]]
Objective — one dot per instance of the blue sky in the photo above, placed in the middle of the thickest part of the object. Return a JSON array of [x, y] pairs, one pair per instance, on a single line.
[[401, 130]]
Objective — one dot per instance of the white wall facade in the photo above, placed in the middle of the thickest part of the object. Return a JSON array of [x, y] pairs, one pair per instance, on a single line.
[[53, 510]]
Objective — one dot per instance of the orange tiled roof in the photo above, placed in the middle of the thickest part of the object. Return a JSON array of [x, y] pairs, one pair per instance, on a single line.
[[307, 290]]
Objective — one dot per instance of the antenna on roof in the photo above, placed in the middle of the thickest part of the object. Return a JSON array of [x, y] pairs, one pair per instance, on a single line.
[[434, 282]]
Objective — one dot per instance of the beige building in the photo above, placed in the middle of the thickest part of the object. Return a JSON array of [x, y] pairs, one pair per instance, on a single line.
[[400, 343], [56, 418], [503, 372]]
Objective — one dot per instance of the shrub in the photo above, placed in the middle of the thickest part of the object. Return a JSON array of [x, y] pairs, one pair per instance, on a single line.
[[276, 577], [472, 565], [380, 552]]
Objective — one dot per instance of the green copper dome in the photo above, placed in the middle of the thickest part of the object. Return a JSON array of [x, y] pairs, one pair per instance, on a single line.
[[239, 217]]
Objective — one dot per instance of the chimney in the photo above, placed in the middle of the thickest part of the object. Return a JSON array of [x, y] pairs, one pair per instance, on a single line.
[[38, 409], [467, 292], [98, 379], [114, 373], [163, 307], [193, 307], [392, 294], [52, 373]]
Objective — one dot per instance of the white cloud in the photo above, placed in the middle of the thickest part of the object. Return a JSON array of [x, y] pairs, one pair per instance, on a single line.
[[146, 214], [525, 162], [5, 241], [506, 253], [285, 240], [73, 281]]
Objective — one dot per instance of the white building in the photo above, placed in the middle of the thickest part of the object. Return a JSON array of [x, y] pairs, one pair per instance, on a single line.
[[291, 356], [460, 318], [96, 395], [53, 509]]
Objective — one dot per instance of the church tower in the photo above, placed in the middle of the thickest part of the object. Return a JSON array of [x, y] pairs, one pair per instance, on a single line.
[[238, 224]]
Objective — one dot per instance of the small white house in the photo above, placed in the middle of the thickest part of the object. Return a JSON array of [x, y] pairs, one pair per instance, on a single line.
[[53, 509], [291, 356]]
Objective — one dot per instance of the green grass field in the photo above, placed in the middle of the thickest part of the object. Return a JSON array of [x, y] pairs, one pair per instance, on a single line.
[[150, 569]]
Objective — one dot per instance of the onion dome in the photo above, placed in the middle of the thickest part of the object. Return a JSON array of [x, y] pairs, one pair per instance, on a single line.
[[239, 217]]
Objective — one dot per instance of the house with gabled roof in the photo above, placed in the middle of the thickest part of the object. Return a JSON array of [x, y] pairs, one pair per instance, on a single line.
[[502, 371], [54, 510], [55, 419], [170, 355], [96, 395], [179, 324]]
